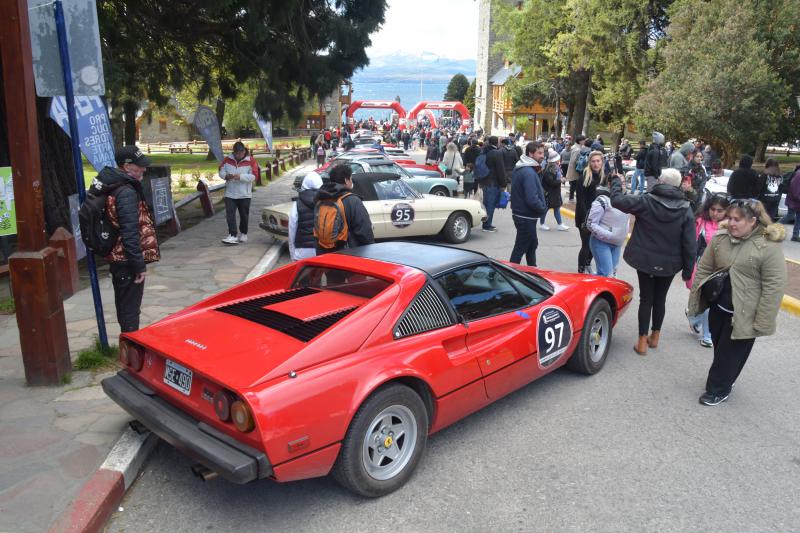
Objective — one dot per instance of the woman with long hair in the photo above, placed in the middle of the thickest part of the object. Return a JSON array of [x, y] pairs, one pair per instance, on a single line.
[[709, 216], [662, 244], [740, 279], [585, 191]]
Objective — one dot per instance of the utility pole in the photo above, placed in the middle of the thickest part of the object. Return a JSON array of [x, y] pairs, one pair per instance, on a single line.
[[34, 269]]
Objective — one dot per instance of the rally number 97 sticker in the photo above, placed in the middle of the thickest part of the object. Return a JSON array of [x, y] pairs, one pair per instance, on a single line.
[[554, 333], [402, 215]]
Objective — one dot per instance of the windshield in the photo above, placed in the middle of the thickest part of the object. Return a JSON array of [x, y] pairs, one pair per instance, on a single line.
[[394, 190]]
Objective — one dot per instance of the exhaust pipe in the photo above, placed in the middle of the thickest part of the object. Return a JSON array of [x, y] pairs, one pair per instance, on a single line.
[[138, 427], [203, 472]]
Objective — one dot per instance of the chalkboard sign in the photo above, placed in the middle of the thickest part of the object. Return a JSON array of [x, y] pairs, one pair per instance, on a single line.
[[157, 188]]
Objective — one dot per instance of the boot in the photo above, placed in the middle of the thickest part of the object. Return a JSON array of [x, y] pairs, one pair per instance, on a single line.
[[641, 345], [652, 340]]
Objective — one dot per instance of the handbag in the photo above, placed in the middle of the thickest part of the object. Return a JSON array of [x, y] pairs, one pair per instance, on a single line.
[[714, 285], [502, 199]]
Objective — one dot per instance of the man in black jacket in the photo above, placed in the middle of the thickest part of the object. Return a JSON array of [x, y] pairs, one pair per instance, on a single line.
[[744, 182], [655, 157], [359, 225], [494, 182], [137, 244]]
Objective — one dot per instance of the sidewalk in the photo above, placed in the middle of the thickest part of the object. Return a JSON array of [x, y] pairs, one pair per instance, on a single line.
[[52, 439]]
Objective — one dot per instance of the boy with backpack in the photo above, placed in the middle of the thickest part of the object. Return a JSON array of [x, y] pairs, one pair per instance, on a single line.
[[116, 223], [340, 218]]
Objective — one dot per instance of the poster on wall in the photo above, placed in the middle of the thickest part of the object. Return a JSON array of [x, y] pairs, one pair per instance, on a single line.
[[8, 216], [94, 128]]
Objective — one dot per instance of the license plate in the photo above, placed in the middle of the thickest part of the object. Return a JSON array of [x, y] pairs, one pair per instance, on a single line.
[[178, 377]]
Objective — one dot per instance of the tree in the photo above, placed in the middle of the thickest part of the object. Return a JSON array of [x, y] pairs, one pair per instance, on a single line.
[[717, 82], [291, 51], [469, 97], [457, 88], [596, 52]]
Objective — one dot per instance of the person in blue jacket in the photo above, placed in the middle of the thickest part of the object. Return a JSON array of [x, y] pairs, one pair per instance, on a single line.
[[527, 202]]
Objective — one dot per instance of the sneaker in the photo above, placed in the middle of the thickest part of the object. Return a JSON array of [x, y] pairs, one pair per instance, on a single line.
[[490, 229], [796, 238], [243, 237], [231, 239], [562, 227], [544, 227], [706, 343], [710, 399]]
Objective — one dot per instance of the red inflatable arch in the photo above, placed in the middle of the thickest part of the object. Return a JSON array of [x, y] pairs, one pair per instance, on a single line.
[[376, 104], [430, 115], [447, 106]]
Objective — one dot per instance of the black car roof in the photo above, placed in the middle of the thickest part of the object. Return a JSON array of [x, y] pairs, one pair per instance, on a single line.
[[433, 259]]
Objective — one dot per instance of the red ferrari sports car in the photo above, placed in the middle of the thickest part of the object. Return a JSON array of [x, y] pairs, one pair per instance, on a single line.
[[347, 362]]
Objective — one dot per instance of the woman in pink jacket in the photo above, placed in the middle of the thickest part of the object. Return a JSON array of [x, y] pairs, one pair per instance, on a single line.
[[708, 218]]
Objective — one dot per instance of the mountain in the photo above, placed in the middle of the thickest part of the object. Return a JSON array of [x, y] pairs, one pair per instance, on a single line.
[[401, 68]]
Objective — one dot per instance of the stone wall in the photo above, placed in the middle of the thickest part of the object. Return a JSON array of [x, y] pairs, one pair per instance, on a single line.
[[162, 128]]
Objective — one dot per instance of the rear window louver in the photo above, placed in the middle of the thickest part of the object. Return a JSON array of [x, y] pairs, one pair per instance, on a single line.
[[426, 313], [304, 330]]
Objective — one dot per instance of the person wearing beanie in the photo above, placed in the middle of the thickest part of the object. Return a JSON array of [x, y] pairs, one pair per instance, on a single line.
[[655, 159], [302, 243], [744, 182], [239, 170], [551, 183], [662, 244]]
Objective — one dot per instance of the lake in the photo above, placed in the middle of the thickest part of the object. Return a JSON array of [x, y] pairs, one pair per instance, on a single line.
[[407, 90]]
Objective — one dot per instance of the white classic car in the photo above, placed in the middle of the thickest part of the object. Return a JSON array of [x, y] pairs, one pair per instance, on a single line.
[[396, 211]]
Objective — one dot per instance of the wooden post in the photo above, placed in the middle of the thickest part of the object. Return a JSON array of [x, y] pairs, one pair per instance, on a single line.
[[205, 198], [268, 171], [63, 241], [275, 169], [283, 164], [34, 267]]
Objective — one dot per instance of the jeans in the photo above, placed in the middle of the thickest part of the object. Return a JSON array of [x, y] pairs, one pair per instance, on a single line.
[[606, 256], [638, 181], [556, 214], [526, 241], [652, 300], [789, 217], [127, 296], [232, 205], [796, 229], [572, 189], [701, 321], [491, 193]]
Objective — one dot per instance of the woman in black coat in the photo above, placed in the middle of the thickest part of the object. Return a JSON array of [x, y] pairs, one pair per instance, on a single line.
[[663, 243], [551, 183], [585, 192]]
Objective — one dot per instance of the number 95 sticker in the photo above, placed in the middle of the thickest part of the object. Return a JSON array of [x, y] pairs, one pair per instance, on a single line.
[[554, 333], [402, 215]]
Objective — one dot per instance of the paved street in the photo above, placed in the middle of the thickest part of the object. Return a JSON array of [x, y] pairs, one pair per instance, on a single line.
[[629, 449]]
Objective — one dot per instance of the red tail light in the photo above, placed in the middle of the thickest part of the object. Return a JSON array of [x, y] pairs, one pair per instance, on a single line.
[[222, 405], [131, 355]]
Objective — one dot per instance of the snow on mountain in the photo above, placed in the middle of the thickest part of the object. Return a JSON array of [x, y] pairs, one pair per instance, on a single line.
[[406, 68]]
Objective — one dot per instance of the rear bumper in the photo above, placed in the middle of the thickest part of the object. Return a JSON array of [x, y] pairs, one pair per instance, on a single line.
[[223, 454]]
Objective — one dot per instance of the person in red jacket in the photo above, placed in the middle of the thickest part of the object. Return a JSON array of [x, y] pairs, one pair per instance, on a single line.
[[239, 170]]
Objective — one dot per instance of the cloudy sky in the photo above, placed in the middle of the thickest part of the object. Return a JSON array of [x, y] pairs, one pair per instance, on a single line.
[[448, 28]]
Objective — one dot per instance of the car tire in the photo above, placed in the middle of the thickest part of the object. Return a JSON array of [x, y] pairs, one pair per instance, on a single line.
[[364, 466], [457, 228], [595, 341], [440, 191]]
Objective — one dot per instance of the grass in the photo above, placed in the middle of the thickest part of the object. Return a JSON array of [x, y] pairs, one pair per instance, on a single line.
[[96, 356], [7, 306]]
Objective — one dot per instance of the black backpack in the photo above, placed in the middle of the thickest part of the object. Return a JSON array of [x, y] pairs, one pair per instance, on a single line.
[[97, 233]]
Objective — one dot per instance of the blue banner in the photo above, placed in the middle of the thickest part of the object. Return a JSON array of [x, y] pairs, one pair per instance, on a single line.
[[205, 120], [266, 129], [94, 128]]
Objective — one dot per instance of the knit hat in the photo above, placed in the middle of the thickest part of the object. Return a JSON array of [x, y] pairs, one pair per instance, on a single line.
[[658, 138], [553, 156], [670, 176]]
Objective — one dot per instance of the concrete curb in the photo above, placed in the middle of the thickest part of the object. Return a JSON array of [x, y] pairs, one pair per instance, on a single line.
[[788, 303], [100, 496], [267, 262]]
